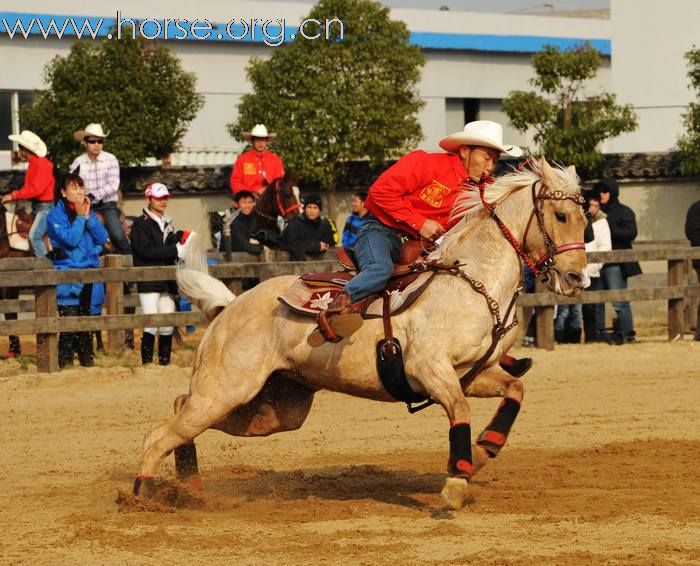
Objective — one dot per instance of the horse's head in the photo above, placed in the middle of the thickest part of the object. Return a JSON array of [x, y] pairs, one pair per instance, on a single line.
[[279, 198], [554, 234]]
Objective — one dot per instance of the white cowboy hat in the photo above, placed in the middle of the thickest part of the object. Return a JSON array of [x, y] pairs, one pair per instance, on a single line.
[[30, 141], [484, 133], [259, 131], [90, 130]]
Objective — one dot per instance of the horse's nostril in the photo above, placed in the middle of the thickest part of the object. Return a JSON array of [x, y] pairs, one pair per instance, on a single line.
[[574, 279]]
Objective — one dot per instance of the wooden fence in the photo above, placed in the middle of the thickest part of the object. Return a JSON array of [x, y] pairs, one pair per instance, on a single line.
[[39, 275]]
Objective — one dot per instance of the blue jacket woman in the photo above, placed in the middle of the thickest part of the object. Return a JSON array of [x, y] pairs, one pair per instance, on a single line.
[[77, 238]]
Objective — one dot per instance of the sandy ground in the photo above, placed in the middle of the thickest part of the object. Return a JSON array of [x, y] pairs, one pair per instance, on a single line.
[[601, 468]]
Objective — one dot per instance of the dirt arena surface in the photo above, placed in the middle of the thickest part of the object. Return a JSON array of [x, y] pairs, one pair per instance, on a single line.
[[601, 468]]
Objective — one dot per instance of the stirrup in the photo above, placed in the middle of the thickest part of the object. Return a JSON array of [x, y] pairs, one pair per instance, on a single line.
[[334, 328]]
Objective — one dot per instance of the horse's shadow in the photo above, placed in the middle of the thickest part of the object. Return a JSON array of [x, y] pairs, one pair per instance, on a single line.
[[405, 488]]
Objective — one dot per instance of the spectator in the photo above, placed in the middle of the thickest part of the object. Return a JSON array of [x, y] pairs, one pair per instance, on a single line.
[[100, 171], [355, 220], [258, 167], [242, 230], [155, 243], [39, 186], [308, 235], [77, 237], [594, 314], [623, 231], [243, 225], [692, 232]]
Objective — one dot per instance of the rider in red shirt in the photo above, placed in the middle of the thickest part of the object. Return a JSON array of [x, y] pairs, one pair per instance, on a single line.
[[258, 167], [414, 199]]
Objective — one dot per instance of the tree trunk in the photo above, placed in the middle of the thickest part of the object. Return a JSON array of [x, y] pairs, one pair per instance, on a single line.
[[332, 204]]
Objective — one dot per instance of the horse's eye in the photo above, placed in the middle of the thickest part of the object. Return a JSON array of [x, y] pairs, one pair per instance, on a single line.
[[561, 217]]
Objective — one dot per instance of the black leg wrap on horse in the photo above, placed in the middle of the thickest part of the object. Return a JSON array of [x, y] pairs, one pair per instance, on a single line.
[[460, 463], [495, 434], [186, 461]]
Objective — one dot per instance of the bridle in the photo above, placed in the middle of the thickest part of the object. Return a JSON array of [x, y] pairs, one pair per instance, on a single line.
[[281, 209], [547, 261]]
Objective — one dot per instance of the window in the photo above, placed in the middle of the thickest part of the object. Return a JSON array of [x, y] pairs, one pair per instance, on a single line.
[[11, 101]]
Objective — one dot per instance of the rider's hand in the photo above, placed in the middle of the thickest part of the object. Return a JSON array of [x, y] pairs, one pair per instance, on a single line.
[[431, 230]]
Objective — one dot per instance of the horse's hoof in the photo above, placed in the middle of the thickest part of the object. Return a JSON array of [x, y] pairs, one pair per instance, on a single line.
[[145, 486], [455, 492]]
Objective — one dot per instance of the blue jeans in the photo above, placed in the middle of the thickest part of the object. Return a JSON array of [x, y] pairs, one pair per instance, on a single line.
[[614, 278], [568, 316], [40, 210], [113, 224], [377, 250]]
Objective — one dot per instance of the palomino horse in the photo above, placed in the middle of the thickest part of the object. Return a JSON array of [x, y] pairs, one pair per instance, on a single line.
[[11, 293], [254, 373]]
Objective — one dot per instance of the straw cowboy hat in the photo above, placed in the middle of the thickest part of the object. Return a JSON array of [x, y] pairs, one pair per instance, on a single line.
[[90, 130], [484, 133], [259, 131], [32, 142]]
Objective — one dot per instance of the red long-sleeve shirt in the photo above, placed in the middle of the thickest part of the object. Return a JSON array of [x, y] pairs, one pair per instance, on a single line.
[[253, 171], [418, 187], [39, 181]]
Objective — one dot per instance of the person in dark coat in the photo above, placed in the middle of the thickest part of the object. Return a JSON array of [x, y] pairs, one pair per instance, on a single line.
[[155, 242], [623, 231], [77, 238], [308, 235], [692, 232], [243, 226]]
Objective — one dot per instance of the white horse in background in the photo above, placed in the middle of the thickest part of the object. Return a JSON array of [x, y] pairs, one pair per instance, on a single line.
[[254, 373]]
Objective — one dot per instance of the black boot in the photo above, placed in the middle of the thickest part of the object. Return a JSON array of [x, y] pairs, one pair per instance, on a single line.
[[148, 341], [165, 347], [573, 335], [86, 355], [65, 349], [560, 336], [515, 367]]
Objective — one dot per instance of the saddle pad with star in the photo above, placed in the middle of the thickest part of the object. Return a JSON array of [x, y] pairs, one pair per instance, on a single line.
[[310, 298]]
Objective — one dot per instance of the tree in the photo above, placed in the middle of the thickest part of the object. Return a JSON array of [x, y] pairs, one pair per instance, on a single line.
[[568, 123], [689, 143], [135, 88], [351, 96]]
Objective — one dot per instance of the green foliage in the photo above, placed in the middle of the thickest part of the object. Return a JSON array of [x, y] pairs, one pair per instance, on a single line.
[[337, 100], [689, 143], [568, 123], [135, 88]]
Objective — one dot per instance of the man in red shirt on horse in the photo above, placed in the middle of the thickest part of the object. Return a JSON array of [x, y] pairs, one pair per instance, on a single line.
[[39, 184], [413, 199], [258, 167]]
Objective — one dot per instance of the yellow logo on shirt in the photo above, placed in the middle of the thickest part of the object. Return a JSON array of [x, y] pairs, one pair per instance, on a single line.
[[250, 169], [434, 194]]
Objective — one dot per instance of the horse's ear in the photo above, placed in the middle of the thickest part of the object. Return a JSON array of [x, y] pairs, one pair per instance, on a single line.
[[572, 169], [549, 178]]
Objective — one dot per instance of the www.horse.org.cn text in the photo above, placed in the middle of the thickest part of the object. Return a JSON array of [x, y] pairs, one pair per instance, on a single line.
[[271, 32]]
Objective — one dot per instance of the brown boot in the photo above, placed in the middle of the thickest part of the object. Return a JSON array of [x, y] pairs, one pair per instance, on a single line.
[[342, 318]]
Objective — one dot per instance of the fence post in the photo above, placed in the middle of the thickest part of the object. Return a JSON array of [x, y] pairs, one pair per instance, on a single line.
[[676, 276], [114, 303], [545, 321], [46, 344]]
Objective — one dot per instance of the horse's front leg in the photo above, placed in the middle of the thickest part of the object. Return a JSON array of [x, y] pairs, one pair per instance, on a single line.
[[441, 382], [494, 436]]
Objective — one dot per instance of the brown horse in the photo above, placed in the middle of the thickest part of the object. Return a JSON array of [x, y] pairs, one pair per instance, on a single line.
[[12, 293], [255, 374]]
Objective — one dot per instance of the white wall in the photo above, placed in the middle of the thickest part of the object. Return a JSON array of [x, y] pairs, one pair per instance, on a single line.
[[649, 40]]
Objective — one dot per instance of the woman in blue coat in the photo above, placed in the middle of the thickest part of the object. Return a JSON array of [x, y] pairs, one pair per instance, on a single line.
[[77, 238]]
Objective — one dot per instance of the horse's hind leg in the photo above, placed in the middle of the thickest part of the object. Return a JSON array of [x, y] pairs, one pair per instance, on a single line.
[[494, 436], [281, 405]]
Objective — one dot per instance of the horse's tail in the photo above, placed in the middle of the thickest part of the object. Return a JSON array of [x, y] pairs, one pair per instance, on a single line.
[[209, 294]]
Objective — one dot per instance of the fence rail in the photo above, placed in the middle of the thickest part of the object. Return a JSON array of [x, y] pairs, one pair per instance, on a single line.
[[38, 274]]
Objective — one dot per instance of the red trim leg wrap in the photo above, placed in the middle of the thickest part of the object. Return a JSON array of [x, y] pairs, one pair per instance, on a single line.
[[460, 462], [495, 434]]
